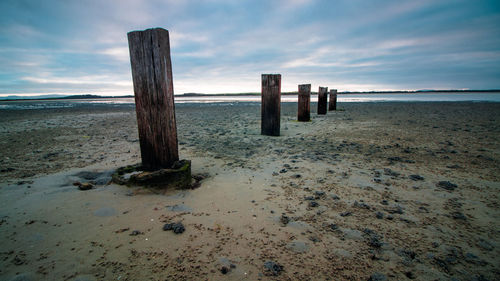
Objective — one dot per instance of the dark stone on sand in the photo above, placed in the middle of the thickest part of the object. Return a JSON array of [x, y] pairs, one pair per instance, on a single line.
[[297, 176], [446, 185], [319, 193], [384, 202], [345, 214], [224, 270], [272, 268], [407, 255], [135, 233], [309, 198], [178, 227], [374, 240], [284, 220], [379, 215], [389, 172], [416, 177], [313, 204], [283, 171], [458, 216], [361, 205], [410, 275], [377, 277], [333, 227]]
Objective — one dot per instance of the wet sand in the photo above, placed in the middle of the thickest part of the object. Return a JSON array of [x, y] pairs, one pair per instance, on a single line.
[[348, 196]]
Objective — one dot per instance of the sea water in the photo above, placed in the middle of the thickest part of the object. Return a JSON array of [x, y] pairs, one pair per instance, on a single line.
[[379, 97]]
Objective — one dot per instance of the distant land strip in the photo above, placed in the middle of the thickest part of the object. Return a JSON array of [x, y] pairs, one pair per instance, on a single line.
[[63, 97]]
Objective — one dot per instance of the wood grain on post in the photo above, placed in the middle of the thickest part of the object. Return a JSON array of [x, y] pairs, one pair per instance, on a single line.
[[304, 107], [333, 100], [271, 104], [322, 100], [154, 97]]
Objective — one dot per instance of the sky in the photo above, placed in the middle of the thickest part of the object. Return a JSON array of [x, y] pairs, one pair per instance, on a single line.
[[223, 46]]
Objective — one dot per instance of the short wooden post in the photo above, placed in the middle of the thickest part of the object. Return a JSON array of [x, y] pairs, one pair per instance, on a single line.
[[304, 107], [154, 97], [322, 100], [271, 104], [333, 100]]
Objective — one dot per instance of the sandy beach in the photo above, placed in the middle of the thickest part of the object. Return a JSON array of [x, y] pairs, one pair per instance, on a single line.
[[394, 190]]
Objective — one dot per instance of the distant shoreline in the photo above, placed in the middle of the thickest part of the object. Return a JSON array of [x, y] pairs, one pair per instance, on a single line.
[[76, 97]]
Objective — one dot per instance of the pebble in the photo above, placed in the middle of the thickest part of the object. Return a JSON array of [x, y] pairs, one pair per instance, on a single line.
[[416, 177], [178, 228], [446, 185], [284, 220], [345, 214], [458, 216], [135, 233], [272, 268], [313, 204], [224, 270], [379, 215]]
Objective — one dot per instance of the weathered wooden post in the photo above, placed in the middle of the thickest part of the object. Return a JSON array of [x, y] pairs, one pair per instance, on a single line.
[[333, 100], [304, 107], [154, 97], [322, 99], [271, 104]]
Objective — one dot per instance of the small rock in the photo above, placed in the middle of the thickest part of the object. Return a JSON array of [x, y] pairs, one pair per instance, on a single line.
[[391, 173], [283, 171], [284, 220], [416, 177], [345, 214], [379, 215], [446, 185], [309, 198], [333, 227], [272, 268], [313, 204], [224, 270], [458, 216], [319, 193], [178, 228], [135, 233]]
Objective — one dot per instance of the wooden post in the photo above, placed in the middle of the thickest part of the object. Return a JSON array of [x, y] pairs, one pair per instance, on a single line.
[[333, 100], [154, 97], [322, 99], [271, 104], [304, 107]]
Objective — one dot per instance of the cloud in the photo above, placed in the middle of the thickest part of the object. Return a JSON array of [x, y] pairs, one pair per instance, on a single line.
[[224, 46]]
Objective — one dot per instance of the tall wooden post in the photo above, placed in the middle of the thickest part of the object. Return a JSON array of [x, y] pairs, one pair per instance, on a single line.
[[322, 99], [333, 100], [304, 107], [271, 104], [154, 97]]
